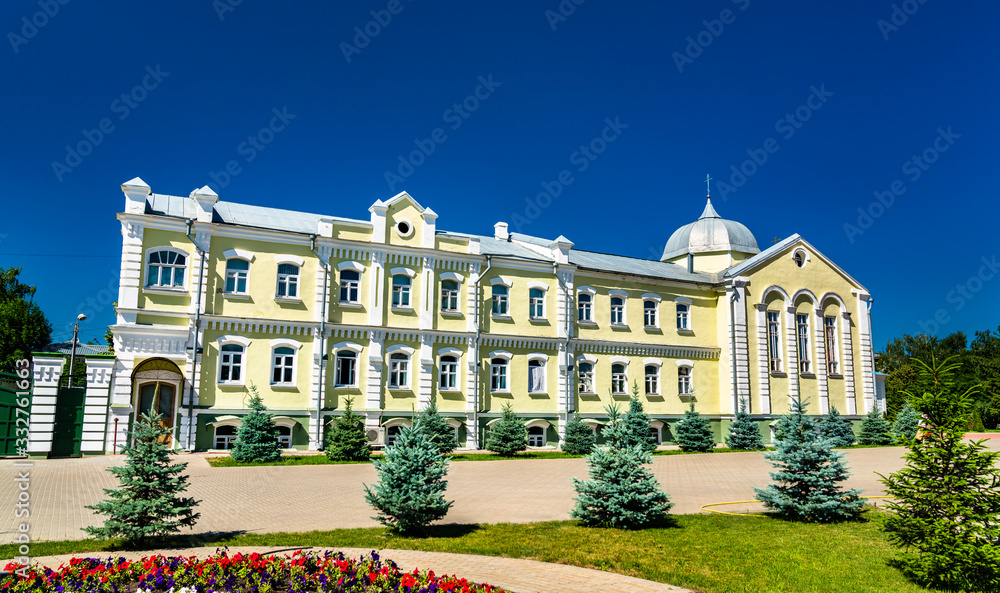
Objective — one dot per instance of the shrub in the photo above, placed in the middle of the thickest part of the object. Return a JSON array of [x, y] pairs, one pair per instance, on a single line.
[[509, 435], [257, 437], [904, 428], [946, 514], [410, 492], [744, 433], [694, 433], [148, 504], [875, 430], [346, 439], [835, 427], [805, 487], [636, 423], [579, 439], [436, 428]]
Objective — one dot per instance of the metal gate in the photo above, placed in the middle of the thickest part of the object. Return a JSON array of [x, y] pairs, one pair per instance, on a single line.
[[67, 435], [8, 414]]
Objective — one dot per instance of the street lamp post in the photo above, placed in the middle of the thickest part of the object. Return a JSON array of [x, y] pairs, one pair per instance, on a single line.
[[72, 352]]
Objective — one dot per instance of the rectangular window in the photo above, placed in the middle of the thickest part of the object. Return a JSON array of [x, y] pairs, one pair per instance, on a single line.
[[536, 376], [498, 375], [652, 380], [288, 281], [619, 381], [500, 304], [237, 271], [802, 332], [448, 379], [346, 367], [166, 269], [231, 363], [350, 280], [684, 380], [400, 291], [449, 295], [283, 369], [649, 313], [682, 316], [774, 340], [830, 329], [585, 311], [398, 368], [586, 371], [617, 311], [536, 303]]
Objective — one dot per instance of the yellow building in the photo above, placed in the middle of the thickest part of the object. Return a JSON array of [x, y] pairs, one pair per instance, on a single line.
[[390, 312]]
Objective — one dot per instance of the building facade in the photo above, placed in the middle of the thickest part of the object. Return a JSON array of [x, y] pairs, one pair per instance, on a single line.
[[390, 312]]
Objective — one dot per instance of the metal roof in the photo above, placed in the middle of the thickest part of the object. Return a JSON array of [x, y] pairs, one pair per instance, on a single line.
[[635, 266], [710, 233], [81, 348], [243, 214], [493, 246]]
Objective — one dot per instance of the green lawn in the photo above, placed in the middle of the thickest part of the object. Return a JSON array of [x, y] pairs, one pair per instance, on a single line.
[[710, 553]]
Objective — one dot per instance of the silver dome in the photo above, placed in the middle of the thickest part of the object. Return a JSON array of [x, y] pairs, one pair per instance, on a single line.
[[710, 233]]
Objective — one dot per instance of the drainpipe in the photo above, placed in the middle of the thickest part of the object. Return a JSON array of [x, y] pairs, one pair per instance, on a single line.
[[475, 387], [871, 342], [197, 332], [322, 344], [570, 405]]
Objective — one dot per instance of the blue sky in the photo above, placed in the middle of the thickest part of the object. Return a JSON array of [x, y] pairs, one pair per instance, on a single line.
[[837, 97]]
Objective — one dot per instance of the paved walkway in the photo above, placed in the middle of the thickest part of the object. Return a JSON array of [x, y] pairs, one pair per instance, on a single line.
[[322, 497], [520, 576]]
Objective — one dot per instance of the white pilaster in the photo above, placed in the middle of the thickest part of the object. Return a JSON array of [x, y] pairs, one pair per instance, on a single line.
[[792, 353], [96, 404], [742, 354], [822, 378], [376, 287], [848, 363], [867, 360], [373, 389], [46, 372], [131, 269], [470, 306], [425, 381], [428, 287], [763, 360]]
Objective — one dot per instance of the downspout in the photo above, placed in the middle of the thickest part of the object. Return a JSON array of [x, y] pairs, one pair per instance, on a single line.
[[197, 333], [322, 344], [570, 404], [871, 341], [475, 387]]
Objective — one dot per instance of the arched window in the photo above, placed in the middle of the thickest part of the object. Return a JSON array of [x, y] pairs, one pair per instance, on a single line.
[[288, 281], [225, 436], [346, 375], [500, 302], [350, 280], [802, 334], [619, 380], [498, 374], [684, 380], [536, 436], [830, 334], [617, 310], [449, 295], [649, 313], [166, 269], [283, 366], [586, 372], [536, 303], [656, 435], [652, 379], [536, 376], [585, 307], [399, 365], [285, 437], [237, 272], [231, 363], [392, 434], [774, 340], [448, 376], [683, 321], [401, 291]]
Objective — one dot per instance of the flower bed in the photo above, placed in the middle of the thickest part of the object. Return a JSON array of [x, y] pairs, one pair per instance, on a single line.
[[299, 573]]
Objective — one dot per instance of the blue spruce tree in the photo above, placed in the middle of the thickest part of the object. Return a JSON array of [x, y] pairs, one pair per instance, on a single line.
[[806, 483], [508, 436], [579, 439], [904, 428], [257, 437], [836, 427], [694, 433], [743, 432], [875, 430], [635, 428]]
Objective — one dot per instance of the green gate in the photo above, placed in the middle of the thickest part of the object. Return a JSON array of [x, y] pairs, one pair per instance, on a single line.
[[9, 414], [68, 431]]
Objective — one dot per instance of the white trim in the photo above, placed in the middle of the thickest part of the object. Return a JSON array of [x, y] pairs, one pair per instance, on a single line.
[[685, 363], [239, 254], [225, 421], [618, 293], [399, 348], [657, 424], [397, 422], [538, 356], [587, 289], [233, 339], [351, 265], [619, 360], [408, 223], [652, 362], [402, 272], [683, 300], [651, 296], [289, 259], [501, 354], [285, 343], [452, 276], [355, 348], [501, 280], [586, 358], [539, 285], [804, 292], [450, 352], [538, 422], [773, 288], [286, 421], [835, 297], [801, 250]]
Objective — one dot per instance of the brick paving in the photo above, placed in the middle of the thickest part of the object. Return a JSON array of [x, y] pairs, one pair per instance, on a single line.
[[520, 576]]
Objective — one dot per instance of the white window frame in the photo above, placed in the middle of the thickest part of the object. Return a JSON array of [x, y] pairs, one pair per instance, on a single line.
[[832, 345], [500, 302], [401, 292], [395, 423], [456, 354], [350, 286], [533, 439], [289, 280], [294, 346], [176, 269], [586, 307], [621, 319], [685, 378], [650, 314], [449, 296], [536, 304], [399, 358], [802, 341], [233, 255], [773, 320], [539, 361], [592, 361], [654, 376], [682, 308], [500, 371], [241, 365], [800, 257], [285, 441], [228, 440], [619, 379], [339, 353]]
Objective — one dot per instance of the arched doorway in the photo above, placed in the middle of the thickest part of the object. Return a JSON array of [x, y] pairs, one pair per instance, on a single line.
[[156, 386]]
